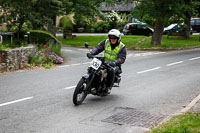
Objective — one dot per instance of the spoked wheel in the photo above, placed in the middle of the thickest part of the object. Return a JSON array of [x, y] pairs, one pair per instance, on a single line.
[[80, 92]]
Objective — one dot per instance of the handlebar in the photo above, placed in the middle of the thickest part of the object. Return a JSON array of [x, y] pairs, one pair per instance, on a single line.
[[106, 63]]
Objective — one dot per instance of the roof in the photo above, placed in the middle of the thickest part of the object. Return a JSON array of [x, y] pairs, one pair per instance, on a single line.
[[122, 7]]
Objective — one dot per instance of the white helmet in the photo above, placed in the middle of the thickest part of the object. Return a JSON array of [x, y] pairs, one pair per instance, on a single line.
[[116, 33]]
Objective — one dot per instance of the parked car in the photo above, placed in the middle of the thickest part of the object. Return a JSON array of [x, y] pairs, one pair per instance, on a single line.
[[174, 28], [195, 24], [137, 29]]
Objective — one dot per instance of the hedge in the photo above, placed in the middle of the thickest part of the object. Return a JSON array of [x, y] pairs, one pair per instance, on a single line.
[[42, 37]]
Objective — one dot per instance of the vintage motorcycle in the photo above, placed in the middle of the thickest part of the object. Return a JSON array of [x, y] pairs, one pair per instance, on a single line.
[[94, 81]]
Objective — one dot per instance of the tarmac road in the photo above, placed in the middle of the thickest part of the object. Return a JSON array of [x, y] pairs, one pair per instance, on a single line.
[[154, 85]]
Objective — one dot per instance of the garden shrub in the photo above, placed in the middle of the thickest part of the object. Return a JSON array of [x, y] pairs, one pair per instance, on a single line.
[[112, 19], [41, 37], [66, 24], [101, 26], [46, 56]]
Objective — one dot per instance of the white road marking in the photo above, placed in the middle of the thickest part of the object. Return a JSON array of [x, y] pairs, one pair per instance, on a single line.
[[144, 54], [86, 63], [71, 87], [156, 68], [175, 63], [67, 50], [83, 49], [64, 66], [72, 65], [129, 55], [16, 101], [195, 58], [75, 64]]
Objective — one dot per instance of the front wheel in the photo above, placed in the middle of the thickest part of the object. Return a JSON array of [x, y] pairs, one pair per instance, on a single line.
[[80, 92]]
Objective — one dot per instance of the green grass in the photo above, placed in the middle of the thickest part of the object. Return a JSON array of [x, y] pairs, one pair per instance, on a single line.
[[2, 46], [15, 44], [128, 40], [186, 123], [174, 42]]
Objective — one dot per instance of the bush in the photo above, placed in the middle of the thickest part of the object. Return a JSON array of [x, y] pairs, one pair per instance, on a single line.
[[42, 37], [66, 24], [101, 26], [112, 18], [46, 56]]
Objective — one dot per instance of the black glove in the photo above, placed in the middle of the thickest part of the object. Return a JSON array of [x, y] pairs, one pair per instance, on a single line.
[[89, 55], [113, 64]]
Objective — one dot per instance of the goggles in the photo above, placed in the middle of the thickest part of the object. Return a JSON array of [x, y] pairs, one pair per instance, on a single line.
[[112, 37]]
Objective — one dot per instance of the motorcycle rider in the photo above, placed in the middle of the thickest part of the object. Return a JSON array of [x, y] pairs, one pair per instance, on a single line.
[[114, 52]]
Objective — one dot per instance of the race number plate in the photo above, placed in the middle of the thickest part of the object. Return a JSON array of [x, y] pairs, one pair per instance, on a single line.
[[95, 63]]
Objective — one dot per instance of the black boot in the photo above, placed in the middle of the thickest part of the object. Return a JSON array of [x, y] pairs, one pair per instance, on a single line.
[[108, 90]]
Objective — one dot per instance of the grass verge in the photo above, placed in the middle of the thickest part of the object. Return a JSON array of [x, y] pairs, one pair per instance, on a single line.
[[128, 40], [185, 123], [173, 43]]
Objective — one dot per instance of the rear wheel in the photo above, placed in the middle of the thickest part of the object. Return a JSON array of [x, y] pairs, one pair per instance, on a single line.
[[80, 92]]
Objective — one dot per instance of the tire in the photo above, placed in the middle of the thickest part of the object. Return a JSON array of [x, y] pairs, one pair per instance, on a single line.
[[79, 93]]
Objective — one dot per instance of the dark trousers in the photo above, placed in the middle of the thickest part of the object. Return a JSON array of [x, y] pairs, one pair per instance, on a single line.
[[111, 75]]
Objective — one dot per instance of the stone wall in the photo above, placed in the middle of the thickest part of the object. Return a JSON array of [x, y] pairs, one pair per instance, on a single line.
[[14, 59]]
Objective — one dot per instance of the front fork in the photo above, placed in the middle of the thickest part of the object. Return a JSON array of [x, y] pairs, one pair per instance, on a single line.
[[88, 79]]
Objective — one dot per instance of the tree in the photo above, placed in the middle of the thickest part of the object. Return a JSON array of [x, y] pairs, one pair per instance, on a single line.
[[45, 12], [40, 13], [163, 11], [189, 9], [16, 12], [87, 9]]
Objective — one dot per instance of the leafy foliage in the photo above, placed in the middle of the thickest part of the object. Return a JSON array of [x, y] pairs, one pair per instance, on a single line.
[[87, 9], [46, 56], [112, 18], [161, 11], [35, 13], [66, 24], [102, 26], [42, 37]]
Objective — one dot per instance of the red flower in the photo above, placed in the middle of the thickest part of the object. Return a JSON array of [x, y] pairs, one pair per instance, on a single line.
[[45, 45]]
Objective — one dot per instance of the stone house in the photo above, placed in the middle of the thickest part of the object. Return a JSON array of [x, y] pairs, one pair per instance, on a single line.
[[123, 8]]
